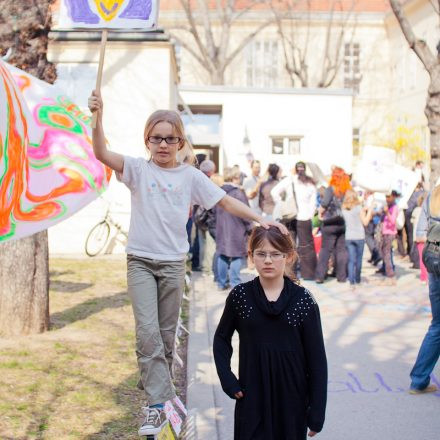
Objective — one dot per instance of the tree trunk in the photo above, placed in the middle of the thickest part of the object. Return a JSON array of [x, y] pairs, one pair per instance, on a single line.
[[24, 264], [24, 284], [217, 77], [432, 112]]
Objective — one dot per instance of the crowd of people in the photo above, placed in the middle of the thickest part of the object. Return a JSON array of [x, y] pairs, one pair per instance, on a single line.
[[329, 225]]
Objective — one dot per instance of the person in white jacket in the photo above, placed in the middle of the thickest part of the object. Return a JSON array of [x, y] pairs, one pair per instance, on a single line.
[[303, 188]]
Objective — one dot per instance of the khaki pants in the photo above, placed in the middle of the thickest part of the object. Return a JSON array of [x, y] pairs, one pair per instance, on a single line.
[[155, 288]]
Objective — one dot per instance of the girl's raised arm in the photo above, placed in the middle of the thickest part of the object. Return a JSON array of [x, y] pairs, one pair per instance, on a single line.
[[113, 160]]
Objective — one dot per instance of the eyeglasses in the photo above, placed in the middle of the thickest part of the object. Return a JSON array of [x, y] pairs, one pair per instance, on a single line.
[[274, 256], [171, 140]]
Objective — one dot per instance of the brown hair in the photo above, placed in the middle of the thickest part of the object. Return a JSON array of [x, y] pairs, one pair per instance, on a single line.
[[186, 152], [351, 199], [434, 202], [281, 242]]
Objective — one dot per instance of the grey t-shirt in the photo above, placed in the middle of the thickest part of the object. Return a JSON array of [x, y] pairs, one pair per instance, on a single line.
[[354, 229], [160, 204]]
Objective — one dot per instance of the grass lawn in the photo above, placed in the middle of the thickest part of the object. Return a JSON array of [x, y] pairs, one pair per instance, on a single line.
[[77, 381]]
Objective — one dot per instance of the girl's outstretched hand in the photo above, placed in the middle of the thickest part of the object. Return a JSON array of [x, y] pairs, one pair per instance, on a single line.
[[95, 102], [266, 223], [312, 433], [239, 395]]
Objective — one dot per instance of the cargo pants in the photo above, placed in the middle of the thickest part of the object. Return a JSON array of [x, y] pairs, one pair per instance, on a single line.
[[155, 288]]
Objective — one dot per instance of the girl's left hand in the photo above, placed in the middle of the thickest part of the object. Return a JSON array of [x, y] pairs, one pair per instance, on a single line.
[[312, 433], [267, 223]]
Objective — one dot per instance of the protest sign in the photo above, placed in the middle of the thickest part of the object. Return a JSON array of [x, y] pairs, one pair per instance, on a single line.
[[108, 14]]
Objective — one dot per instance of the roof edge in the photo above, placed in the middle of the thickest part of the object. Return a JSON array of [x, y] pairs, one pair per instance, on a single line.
[[275, 91], [113, 35]]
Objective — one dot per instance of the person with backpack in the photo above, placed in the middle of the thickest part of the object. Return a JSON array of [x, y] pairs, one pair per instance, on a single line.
[[428, 230], [333, 227], [231, 234]]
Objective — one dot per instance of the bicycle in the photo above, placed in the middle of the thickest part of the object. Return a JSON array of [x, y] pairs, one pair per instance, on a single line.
[[98, 236]]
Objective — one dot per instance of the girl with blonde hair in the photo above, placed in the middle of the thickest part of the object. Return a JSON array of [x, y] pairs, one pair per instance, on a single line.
[[162, 190], [356, 218]]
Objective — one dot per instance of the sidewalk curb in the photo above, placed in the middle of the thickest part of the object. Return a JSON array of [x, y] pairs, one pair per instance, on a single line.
[[201, 377]]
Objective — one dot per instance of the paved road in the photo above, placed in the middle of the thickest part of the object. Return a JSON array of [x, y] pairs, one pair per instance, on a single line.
[[372, 338]]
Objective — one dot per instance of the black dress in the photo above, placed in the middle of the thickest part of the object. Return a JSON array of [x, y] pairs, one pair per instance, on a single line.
[[282, 362]]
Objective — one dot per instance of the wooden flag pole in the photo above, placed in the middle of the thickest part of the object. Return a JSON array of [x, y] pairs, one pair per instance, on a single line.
[[100, 68]]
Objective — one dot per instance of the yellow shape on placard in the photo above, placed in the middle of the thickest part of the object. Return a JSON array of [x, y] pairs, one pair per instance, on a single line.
[[108, 9], [166, 433]]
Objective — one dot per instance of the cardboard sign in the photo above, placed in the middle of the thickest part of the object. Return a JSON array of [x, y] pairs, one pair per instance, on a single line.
[[166, 433], [176, 413], [376, 169], [405, 182], [109, 14]]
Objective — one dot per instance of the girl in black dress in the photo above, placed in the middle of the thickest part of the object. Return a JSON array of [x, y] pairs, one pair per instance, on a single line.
[[281, 389]]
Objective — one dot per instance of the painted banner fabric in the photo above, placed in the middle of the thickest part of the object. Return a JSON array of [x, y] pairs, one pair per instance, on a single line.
[[47, 167], [109, 14]]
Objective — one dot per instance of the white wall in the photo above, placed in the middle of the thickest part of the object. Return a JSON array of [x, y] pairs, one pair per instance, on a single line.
[[138, 79], [323, 119]]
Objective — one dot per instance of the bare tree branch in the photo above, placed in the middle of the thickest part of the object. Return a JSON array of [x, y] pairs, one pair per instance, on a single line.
[[188, 48], [206, 63], [246, 41], [213, 50], [420, 47]]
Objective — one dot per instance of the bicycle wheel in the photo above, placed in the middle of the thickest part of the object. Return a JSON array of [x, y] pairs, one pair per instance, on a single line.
[[97, 238]]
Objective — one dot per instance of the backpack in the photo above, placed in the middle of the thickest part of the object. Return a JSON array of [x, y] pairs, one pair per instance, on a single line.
[[201, 217], [333, 213], [205, 219], [431, 250]]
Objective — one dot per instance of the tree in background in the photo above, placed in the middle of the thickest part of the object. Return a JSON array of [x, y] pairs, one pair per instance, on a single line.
[[431, 62], [212, 46], [24, 264], [295, 28], [407, 142]]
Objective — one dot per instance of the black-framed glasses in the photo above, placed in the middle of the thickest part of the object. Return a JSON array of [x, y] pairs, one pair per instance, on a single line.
[[171, 140]]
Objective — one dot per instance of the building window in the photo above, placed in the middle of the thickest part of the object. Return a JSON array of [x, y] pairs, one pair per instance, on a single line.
[[294, 145], [356, 141], [262, 64], [352, 71], [289, 145], [277, 145]]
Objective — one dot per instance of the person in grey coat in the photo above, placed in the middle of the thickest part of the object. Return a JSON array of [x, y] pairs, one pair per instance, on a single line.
[[231, 234]]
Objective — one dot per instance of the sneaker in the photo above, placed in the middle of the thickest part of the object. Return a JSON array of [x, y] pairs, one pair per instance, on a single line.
[[155, 420], [429, 389]]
